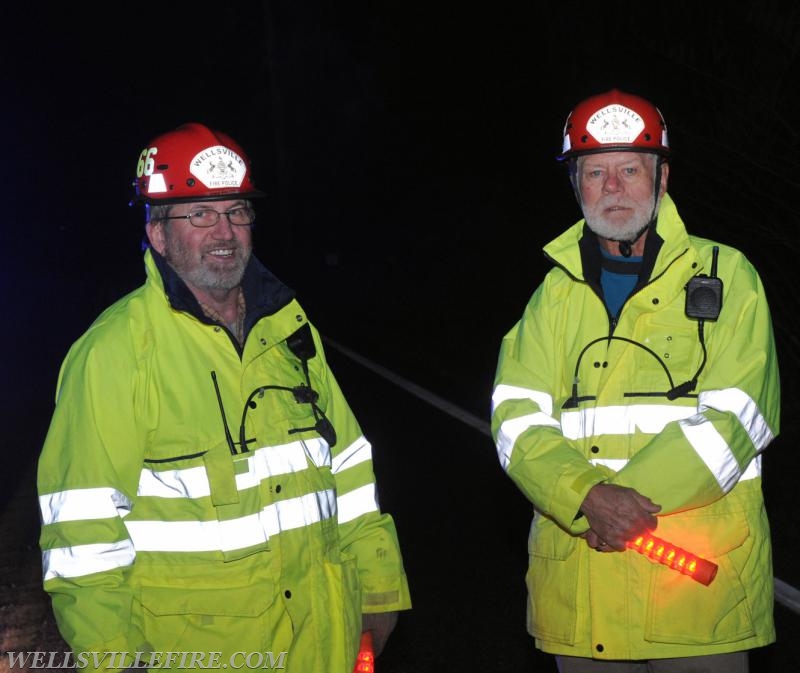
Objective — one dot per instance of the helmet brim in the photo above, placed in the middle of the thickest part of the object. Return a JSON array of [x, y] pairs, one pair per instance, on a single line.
[[574, 154], [167, 201]]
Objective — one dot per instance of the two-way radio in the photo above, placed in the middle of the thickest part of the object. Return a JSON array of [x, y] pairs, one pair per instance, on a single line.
[[704, 293]]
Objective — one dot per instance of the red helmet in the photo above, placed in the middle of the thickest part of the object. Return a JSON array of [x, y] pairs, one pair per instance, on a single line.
[[193, 163], [614, 121]]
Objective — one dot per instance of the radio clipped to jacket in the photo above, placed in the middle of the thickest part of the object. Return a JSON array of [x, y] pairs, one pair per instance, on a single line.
[[704, 293]]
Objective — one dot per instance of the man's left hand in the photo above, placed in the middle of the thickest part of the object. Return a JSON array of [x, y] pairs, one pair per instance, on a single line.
[[381, 624]]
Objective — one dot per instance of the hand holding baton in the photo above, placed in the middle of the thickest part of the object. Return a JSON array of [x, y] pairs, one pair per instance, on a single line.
[[660, 551]]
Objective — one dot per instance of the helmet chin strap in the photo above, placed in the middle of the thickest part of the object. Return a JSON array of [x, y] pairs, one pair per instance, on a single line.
[[626, 245]]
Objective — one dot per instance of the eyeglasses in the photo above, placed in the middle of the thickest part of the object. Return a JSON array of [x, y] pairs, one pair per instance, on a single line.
[[203, 218]]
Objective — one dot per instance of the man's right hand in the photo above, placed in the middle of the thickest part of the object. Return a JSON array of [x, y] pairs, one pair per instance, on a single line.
[[618, 514]]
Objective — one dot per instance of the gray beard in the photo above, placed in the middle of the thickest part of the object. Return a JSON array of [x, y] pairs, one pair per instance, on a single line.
[[203, 277], [627, 231], [206, 279]]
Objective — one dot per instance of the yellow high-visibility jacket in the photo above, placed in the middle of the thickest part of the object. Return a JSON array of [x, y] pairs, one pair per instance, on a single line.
[[201, 497], [581, 398]]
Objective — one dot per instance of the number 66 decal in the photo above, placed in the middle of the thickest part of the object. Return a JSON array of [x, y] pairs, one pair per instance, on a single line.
[[146, 163]]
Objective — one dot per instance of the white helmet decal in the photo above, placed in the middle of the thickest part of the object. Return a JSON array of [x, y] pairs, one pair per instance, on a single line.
[[218, 167], [615, 124]]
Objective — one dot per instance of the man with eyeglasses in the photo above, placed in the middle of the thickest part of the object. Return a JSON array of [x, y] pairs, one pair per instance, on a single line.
[[631, 397], [210, 259], [207, 496]]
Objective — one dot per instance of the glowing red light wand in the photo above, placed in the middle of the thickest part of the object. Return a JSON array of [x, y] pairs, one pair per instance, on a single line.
[[699, 569], [365, 661]]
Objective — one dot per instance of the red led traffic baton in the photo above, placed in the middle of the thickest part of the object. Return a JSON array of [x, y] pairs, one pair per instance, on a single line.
[[660, 551], [365, 661]]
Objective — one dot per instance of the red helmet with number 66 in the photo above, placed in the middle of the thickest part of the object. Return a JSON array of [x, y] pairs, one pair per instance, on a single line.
[[193, 163], [614, 121]]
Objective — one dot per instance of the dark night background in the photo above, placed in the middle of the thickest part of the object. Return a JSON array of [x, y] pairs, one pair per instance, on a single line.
[[408, 152]]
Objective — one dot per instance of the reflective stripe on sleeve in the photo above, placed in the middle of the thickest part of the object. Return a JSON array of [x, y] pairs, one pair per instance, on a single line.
[[505, 392], [753, 470], [740, 403], [357, 502], [358, 452], [511, 429], [713, 450], [79, 504], [85, 559]]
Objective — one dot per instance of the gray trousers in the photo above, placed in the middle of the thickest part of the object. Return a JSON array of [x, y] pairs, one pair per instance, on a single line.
[[733, 662]]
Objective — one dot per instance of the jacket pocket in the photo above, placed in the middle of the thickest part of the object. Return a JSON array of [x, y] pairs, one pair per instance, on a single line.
[[207, 620], [681, 610], [552, 582]]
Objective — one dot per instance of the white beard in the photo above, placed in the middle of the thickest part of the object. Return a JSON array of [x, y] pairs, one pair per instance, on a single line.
[[614, 229]]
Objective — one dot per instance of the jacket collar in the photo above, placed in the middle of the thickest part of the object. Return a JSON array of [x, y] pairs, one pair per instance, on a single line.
[[577, 252], [264, 293]]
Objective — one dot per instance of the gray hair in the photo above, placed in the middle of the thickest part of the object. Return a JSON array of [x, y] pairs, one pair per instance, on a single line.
[[157, 212]]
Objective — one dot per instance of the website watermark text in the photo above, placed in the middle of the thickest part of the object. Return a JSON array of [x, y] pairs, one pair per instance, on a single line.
[[145, 660]]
